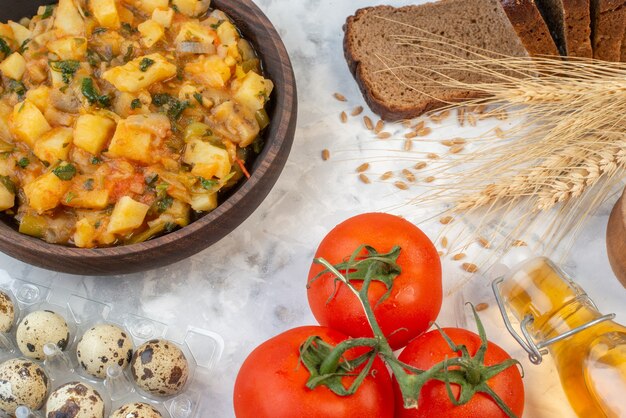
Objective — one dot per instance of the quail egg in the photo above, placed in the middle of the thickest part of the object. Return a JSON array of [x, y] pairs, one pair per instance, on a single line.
[[22, 382], [136, 410], [7, 312], [102, 346], [38, 329], [76, 400], [159, 367]]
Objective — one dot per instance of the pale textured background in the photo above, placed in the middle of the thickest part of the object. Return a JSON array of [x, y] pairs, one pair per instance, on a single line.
[[251, 285]]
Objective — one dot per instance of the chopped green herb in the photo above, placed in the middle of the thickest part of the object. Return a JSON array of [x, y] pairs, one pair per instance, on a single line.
[[4, 47], [145, 64], [8, 183], [216, 25], [170, 226], [17, 87], [23, 162], [99, 30], [207, 184], [88, 185], [164, 203], [98, 224], [198, 98], [162, 187], [24, 47], [95, 160], [68, 68], [173, 107], [47, 12], [257, 145], [65, 172], [69, 197], [93, 58], [92, 95], [135, 104]]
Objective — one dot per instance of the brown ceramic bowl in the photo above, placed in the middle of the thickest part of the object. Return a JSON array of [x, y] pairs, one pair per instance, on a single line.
[[213, 226], [616, 239]]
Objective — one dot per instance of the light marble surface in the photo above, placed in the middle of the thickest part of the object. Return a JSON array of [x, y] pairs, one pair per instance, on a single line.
[[251, 285]]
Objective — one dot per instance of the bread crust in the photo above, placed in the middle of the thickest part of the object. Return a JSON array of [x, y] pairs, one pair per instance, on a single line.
[[608, 26], [389, 111], [530, 26]]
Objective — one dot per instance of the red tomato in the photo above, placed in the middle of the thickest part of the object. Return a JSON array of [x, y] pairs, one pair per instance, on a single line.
[[271, 383], [416, 295], [430, 349]]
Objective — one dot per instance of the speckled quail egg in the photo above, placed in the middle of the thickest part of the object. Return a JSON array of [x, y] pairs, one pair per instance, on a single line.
[[7, 312], [22, 382], [38, 329], [159, 367], [136, 410], [75, 400], [102, 346]]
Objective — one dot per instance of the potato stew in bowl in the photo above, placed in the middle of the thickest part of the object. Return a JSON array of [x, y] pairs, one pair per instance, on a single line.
[[122, 120]]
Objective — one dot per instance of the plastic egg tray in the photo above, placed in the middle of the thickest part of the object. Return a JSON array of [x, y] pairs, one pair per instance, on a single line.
[[202, 349]]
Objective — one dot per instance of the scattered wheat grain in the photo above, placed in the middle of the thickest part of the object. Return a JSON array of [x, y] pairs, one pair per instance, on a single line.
[[458, 141], [408, 145], [481, 307], [470, 268], [357, 111], [499, 132], [456, 149], [379, 126], [447, 143], [344, 117], [484, 242], [368, 123], [429, 179], [460, 116], [387, 175], [419, 166], [401, 185], [432, 156], [424, 132], [419, 125], [410, 135], [459, 256], [408, 175], [441, 116], [340, 97], [519, 243], [363, 168], [364, 179], [384, 135], [444, 242], [325, 154], [446, 220]]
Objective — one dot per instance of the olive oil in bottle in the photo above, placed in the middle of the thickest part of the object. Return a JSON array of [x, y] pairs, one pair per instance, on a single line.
[[589, 348]]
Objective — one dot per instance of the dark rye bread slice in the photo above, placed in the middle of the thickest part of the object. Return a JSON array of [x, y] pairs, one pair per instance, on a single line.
[[624, 47], [608, 22], [530, 26], [369, 36], [570, 24]]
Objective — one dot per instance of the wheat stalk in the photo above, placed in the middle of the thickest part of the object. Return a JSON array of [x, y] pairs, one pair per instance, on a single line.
[[555, 166]]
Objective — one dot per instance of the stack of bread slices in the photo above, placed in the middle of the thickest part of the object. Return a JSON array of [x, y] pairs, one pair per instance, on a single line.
[[570, 28]]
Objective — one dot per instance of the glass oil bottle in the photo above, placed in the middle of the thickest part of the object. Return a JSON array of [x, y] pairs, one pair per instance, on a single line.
[[558, 317]]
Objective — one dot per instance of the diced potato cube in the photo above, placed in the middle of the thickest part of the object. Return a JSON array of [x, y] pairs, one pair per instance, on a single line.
[[235, 122], [227, 33], [195, 32], [7, 198], [127, 215], [151, 32], [211, 70], [106, 13], [5, 113], [164, 17], [187, 7], [87, 199], [69, 48], [203, 202], [92, 132], [254, 91], [150, 6], [68, 19], [14, 66], [54, 145], [208, 160], [85, 235], [129, 78], [28, 123], [39, 96], [126, 15], [20, 32], [132, 142], [46, 192]]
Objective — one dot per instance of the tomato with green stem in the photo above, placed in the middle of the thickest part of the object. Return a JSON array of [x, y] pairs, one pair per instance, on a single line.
[[488, 378], [406, 291], [295, 375]]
